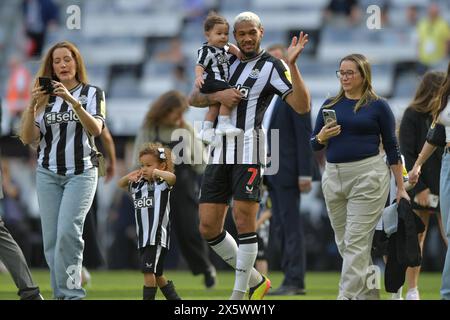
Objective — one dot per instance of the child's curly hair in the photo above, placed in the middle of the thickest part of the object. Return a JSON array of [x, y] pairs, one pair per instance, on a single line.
[[160, 152], [212, 19]]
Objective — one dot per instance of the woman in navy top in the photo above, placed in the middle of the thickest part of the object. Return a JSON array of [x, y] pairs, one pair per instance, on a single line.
[[356, 179]]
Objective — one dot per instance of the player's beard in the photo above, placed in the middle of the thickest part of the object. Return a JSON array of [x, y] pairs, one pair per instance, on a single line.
[[252, 54]]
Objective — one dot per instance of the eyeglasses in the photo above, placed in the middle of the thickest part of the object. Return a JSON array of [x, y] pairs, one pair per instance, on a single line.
[[341, 74]]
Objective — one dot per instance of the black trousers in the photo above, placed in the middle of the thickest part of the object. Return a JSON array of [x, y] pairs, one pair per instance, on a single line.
[[286, 234], [92, 255], [185, 220]]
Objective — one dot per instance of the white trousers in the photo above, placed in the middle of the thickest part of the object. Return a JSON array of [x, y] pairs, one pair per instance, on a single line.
[[355, 194]]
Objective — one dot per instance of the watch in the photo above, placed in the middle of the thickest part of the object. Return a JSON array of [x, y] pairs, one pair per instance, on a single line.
[[318, 139]]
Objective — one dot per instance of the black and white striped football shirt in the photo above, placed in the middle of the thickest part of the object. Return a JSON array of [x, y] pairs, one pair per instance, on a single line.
[[65, 147], [152, 209], [215, 62], [258, 79]]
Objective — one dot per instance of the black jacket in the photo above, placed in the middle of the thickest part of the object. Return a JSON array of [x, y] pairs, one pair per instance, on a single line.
[[413, 131], [403, 247], [295, 153]]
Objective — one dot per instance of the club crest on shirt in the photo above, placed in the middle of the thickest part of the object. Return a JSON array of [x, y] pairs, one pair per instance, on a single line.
[[221, 58], [254, 74], [83, 99]]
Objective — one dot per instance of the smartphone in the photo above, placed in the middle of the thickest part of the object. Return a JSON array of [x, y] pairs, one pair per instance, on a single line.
[[329, 116], [46, 84], [433, 200]]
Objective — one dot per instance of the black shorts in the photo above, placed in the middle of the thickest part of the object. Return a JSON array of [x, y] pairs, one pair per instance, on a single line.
[[152, 259], [211, 86], [222, 181]]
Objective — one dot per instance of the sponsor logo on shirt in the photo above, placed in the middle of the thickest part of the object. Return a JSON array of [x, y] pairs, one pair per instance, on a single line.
[[146, 202], [288, 75], [245, 91], [60, 117]]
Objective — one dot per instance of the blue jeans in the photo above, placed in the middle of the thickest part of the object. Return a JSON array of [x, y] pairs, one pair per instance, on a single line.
[[63, 203], [445, 212]]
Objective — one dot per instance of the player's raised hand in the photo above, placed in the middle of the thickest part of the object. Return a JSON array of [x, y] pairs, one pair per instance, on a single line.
[[296, 47]]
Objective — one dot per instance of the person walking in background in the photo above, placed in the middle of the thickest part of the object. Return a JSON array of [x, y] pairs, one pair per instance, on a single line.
[[442, 116], [413, 131], [38, 16], [234, 166], [150, 187], [11, 255], [355, 182], [434, 38], [18, 91], [92, 255], [262, 229], [161, 122], [64, 118], [293, 177]]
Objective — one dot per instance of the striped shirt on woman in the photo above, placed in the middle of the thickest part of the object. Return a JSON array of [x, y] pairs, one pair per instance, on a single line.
[[65, 147]]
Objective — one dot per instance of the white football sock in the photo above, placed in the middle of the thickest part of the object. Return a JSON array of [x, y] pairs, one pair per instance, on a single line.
[[207, 125], [226, 247], [246, 257], [224, 119]]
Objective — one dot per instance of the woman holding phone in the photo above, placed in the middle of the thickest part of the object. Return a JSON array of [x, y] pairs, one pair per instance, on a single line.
[[356, 179], [64, 124]]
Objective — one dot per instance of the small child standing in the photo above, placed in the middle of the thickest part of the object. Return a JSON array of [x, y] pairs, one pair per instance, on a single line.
[[211, 75], [150, 187]]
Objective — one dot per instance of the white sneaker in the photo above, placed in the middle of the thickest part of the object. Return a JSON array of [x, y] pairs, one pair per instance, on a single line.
[[413, 294], [395, 296], [206, 135], [228, 129]]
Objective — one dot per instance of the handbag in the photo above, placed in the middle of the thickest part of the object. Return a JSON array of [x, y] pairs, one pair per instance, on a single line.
[[101, 164], [98, 160], [436, 135]]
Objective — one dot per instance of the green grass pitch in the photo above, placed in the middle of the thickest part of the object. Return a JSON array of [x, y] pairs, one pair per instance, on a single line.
[[127, 285]]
